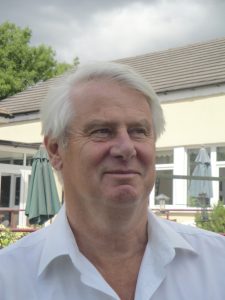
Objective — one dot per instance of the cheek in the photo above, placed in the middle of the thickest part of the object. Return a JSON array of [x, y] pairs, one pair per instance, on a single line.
[[95, 154], [147, 155], [148, 163]]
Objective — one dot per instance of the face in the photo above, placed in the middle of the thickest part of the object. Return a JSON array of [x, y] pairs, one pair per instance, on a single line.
[[110, 157]]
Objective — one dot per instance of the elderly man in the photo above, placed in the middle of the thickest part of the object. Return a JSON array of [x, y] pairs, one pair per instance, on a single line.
[[100, 129]]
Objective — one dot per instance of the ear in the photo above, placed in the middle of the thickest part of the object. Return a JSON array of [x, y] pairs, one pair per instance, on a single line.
[[54, 153]]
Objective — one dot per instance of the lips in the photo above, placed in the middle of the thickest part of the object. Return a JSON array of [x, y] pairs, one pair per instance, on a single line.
[[122, 172]]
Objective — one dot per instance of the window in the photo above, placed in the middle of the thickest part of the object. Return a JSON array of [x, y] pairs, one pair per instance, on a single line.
[[29, 160], [17, 190], [164, 185], [5, 191], [222, 185], [15, 167], [10, 190], [194, 201], [11, 158], [164, 157], [164, 175], [220, 153], [192, 154]]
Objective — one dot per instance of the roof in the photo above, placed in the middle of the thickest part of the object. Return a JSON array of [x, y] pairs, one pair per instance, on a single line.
[[196, 65], [19, 144], [29, 100], [5, 113]]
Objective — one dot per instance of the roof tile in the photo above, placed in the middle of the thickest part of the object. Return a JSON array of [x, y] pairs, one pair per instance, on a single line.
[[195, 65]]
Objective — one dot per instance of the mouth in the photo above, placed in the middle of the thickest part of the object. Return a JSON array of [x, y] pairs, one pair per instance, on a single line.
[[122, 172]]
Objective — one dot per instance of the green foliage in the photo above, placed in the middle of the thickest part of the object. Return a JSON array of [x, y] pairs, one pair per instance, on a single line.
[[62, 68], [8, 237], [192, 202], [216, 219], [195, 202], [22, 65]]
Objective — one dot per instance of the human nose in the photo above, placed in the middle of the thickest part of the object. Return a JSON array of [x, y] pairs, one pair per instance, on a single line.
[[123, 146]]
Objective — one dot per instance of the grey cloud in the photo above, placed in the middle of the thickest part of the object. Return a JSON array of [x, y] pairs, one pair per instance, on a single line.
[[90, 29]]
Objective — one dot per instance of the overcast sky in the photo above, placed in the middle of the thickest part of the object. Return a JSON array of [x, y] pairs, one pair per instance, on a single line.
[[106, 30]]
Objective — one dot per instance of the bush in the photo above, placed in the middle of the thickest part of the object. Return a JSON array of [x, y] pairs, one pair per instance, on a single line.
[[8, 237], [215, 221]]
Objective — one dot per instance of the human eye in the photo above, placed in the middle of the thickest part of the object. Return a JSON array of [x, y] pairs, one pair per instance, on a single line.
[[138, 132], [101, 133]]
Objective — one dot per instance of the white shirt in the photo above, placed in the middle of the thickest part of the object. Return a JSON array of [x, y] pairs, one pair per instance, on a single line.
[[180, 263]]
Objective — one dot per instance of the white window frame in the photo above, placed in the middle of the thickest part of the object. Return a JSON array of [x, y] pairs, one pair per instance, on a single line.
[[18, 170], [159, 167], [23, 172]]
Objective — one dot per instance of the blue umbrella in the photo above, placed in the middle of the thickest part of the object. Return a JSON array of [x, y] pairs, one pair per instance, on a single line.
[[201, 187], [42, 200]]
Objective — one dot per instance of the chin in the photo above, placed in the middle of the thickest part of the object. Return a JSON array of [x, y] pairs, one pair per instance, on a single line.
[[125, 196]]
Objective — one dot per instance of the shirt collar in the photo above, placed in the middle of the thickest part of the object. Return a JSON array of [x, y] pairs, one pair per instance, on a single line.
[[161, 250], [60, 241], [161, 232]]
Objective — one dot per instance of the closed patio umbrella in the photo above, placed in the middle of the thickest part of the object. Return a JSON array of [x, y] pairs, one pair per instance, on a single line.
[[42, 200], [202, 168], [200, 188]]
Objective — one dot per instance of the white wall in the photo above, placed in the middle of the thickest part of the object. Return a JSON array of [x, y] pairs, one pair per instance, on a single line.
[[25, 132], [188, 122], [194, 122]]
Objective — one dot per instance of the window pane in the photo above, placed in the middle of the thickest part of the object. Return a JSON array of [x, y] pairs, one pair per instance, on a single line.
[[29, 160], [198, 202], [17, 190], [220, 153], [192, 154], [5, 191], [164, 185], [164, 157], [11, 158], [222, 185], [194, 201]]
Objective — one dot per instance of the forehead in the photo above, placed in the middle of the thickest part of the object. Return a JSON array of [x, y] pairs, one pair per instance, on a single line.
[[99, 96]]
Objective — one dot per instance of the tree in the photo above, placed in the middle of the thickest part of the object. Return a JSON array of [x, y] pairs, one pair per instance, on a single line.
[[22, 65]]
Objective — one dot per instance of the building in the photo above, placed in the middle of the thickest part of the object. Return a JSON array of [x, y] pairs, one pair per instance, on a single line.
[[190, 82]]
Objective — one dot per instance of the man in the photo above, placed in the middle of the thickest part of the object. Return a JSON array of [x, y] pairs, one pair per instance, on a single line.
[[100, 129]]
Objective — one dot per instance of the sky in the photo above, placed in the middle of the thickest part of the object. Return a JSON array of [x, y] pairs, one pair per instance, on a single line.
[[101, 30]]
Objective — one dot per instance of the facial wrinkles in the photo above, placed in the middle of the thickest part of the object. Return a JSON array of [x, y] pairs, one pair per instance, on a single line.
[[82, 136], [116, 112], [77, 137], [112, 117], [88, 158], [97, 101]]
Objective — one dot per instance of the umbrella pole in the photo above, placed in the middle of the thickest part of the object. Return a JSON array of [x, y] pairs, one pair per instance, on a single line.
[[202, 201]]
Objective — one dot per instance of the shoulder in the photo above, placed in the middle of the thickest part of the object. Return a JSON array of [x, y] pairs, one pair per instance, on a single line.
[[22, 250], [26, 241], [198, 237], [20, 263], [191, 230]]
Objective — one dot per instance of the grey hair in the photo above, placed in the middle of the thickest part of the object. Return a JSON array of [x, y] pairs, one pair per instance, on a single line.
[[57, 112]]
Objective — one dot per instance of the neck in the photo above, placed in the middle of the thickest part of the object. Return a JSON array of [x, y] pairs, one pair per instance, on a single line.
[[114, 242], [117, 233]]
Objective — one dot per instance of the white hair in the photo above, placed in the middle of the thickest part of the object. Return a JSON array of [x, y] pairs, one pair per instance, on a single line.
[[57, 111]]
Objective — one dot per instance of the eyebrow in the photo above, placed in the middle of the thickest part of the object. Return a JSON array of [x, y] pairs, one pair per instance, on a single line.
[[98, 123], [142, 122]]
